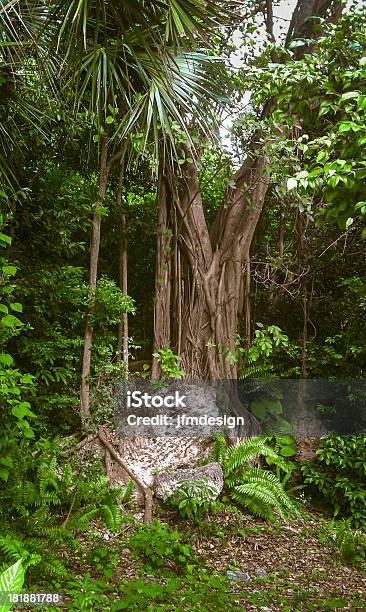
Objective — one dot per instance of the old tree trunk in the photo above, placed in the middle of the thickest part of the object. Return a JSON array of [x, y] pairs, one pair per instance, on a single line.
[[201, 286], [201, 271]]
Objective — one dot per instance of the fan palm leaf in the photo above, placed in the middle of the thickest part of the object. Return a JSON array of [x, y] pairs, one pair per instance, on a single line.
[[137, 57], [22, 58]]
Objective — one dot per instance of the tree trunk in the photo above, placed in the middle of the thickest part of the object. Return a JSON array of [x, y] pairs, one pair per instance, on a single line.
[[162, 272], [122, 343], [93, 273], [201, 278], [199, 284]]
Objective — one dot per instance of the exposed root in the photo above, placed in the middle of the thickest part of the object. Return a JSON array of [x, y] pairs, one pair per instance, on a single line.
[[93, 436], [147, 492]]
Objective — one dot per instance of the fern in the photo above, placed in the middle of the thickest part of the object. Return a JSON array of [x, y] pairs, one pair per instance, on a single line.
[[49, 493], [127, 493], [32, 552], [110, 512], [12, 547], [237, 456], [258, 372], [112, 516], [219, 448], [264, 490], [257, 489]]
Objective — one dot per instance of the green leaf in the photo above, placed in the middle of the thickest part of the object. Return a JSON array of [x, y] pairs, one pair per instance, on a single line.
[[258, 408], [282, 425], [315, 172], [344, 127], [11, 321], [350, 94], [273, 406], [11, 581], [109, 119], [22, 410], [4, 308], [361, 206], [9, 270], [285, 440], [4, 475], [7, 461], [291, 183], [6, 359], [288, 451], [297, 43], [16, 307], [362, 103], [5, 238], [28, 433], [27, 379]]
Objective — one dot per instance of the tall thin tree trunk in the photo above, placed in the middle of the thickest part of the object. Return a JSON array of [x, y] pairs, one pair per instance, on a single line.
[[304, 342], [247, 304], [122, 344], [162, 301], [93, 273]]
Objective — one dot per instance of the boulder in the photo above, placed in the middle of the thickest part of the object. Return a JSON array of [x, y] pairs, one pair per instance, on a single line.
[[211, 474]]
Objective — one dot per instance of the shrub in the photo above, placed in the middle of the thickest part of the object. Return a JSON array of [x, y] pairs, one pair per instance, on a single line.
[[337, 475], [158, 546], [193, 499]]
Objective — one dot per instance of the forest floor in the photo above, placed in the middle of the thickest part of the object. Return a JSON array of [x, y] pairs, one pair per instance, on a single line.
[[290, 567]]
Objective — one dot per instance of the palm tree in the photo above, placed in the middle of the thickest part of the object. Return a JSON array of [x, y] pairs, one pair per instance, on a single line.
[[134, 65], [24, 66], [13, 37]]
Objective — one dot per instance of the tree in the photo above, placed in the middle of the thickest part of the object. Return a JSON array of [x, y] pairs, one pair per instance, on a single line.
[[126, 59], [201, 270], [19, 26]]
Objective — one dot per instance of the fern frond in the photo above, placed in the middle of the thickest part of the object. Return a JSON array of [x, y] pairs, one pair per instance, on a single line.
[[259, 490], [82, 520], [112, 516], [237, 456], [12, 547], [54, 567], [219, 448], [258, 372], [128, 492], [265, 489], [255, 507]]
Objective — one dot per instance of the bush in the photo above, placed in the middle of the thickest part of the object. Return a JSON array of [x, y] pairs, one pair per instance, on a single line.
[[337, 475], [158, 546], [193, 499]]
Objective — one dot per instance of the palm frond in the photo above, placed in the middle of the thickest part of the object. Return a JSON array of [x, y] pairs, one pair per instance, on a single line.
[[127, 57]]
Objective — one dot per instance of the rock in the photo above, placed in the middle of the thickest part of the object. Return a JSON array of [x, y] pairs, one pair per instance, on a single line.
[[255, 571], [238, 576], [211, 474]]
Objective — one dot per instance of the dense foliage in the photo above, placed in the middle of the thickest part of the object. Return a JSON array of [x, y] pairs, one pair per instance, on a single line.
[[161, 176]]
